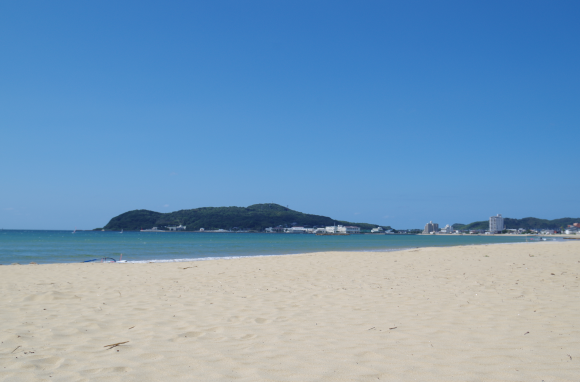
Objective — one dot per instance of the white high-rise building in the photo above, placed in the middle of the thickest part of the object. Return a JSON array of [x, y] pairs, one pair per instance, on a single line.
[[431, 227], [495, 224]]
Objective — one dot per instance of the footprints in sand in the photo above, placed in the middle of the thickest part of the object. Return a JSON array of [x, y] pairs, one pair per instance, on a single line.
[[52, 361], [236, 327], [148, 357], [49, 296], [118, 369], [192, 334], [255, 320]]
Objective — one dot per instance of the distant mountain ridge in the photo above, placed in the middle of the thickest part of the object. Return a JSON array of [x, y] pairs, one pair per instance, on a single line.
[[255, 217], [525, 223]]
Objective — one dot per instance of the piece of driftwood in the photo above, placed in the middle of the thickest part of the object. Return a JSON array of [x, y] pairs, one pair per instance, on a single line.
[[114, 345]]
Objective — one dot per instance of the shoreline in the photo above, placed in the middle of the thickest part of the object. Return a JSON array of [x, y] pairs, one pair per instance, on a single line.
[[314, 253], [210, 258]]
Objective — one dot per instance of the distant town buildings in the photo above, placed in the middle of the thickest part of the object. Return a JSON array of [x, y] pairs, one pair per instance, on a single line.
[[431, 227], [329, 229], [573, 229], [275, 229], [298, 230], [342, 229], [348, 229], [154, 229], [496, 224], [176, 228], [447, 229]]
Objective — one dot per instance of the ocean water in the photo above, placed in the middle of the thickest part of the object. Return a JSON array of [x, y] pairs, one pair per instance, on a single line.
[[20, 246]]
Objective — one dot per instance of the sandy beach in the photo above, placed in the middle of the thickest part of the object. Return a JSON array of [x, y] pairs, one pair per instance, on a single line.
[[473, 313]]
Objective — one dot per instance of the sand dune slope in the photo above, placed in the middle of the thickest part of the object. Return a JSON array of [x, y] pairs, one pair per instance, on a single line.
[[478, 313]]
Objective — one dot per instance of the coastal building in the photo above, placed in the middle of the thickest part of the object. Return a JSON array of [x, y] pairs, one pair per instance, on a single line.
[[154, 229], [431, 228], [331, 229], [342, 229], [447, 229], [572, 230], [275, 229], [348, 229], [496, 224], [177, 228], [377, 230], [296, 230]]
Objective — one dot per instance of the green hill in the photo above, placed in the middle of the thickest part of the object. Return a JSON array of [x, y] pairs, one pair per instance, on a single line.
[[525, 223], [255, 217]]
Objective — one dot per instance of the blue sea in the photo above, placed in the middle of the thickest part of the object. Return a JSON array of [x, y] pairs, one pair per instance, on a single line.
[[42, 247]]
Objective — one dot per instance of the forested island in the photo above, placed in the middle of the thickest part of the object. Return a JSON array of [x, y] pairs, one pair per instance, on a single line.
[[256, 217], [525, 223]]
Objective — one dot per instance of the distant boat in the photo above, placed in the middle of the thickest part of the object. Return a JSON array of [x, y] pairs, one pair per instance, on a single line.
[[121, 231], [75, 231]]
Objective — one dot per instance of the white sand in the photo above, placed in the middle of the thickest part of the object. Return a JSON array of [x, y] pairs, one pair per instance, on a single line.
[[431, 314]]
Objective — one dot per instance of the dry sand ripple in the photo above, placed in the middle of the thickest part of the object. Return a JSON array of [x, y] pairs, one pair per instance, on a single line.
[[477, 313]]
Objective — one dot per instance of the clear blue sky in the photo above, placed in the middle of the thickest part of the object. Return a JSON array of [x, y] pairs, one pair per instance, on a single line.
[[393, 113]]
